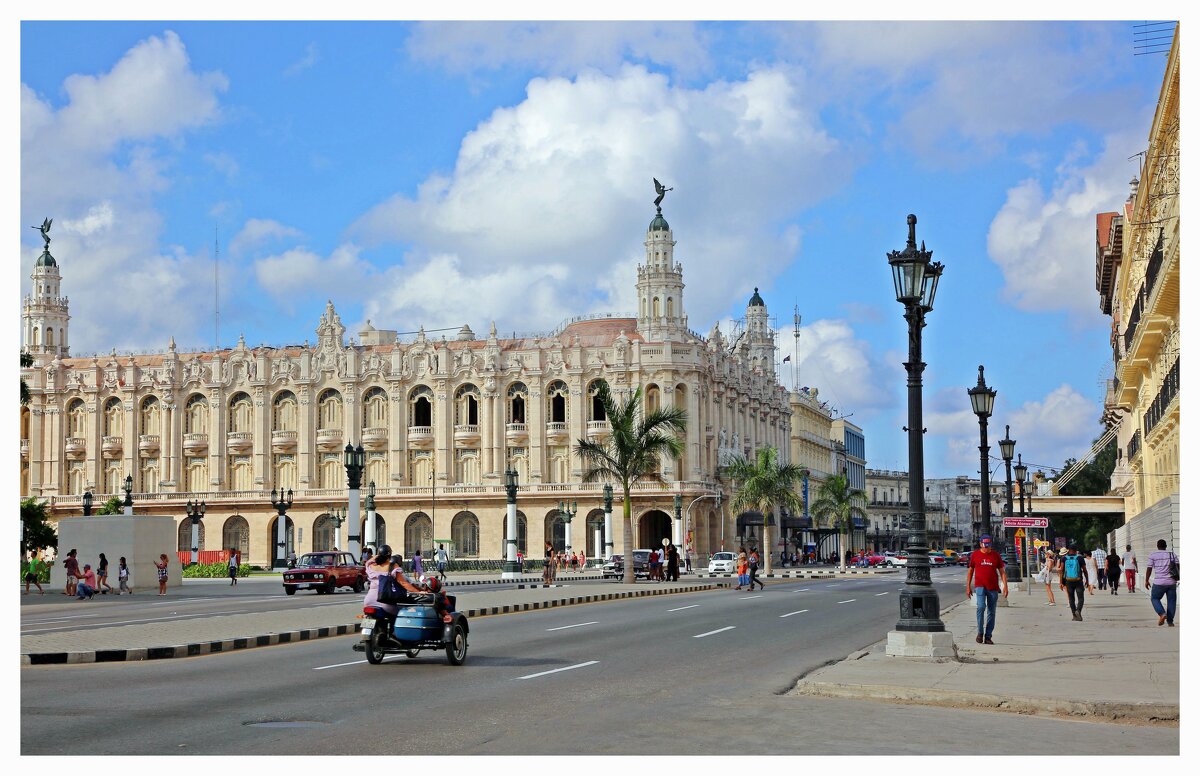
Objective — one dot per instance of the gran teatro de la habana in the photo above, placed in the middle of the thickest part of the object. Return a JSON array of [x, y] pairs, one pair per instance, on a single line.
[[440, 420]]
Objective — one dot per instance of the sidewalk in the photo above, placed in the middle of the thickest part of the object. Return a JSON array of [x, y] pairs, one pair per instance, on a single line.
[[1117, 664], [222, 633]]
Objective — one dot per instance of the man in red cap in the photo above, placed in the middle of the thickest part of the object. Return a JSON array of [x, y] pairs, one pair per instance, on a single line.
[[985, 575]]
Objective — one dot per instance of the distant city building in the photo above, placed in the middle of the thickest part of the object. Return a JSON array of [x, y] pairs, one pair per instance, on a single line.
[[441, 419]]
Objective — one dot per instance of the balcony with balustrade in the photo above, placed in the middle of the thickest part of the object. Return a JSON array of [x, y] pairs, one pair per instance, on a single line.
[[420, 437], [112, 446], [599, 430], [148, 444], [329, 440], [284, 441], [516, 433], [195, 442], [375, 438], [466, 434], [556, 433], [76, 447], [24, 449], [239, 441]]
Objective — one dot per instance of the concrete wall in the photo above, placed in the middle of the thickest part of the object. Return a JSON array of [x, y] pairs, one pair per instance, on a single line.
[[1160, 521], [140, 539]]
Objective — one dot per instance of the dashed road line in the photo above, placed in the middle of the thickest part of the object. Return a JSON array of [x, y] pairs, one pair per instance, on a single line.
[[748, 597], [885, 592], [680, 609], [848, 601], [556, 670], [351, 663], [128, 622], [718, 630], [576, 625], [802, 590], [789, 614]]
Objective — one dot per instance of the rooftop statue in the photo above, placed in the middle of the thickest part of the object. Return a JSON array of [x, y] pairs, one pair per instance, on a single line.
[[662, 192], [45, 228]]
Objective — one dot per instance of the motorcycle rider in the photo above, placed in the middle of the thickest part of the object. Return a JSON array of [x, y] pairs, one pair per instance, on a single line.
[[381, 565]]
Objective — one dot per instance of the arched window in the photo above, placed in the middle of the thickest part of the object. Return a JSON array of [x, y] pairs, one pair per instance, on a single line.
[[150, 415], [418, 534], [284, 417], [49, 337], [652, 398], [285, 471], [466, 406], [329, 409], [235, 535], [421, 406], [657, 307], [464, 531], [241, 413], [556, 402], [377, 469], [76, 419], [324, 537], [670, 307], [197, 474], [522, 532], [375, 408], [196, 414], [332, 472], [595, 406], [36, 333], [517, 395], [556, 530], [114, 419], [185, 535]]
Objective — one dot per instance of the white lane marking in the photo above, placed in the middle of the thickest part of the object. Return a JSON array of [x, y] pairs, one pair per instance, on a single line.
[[835, 584], [802, 590], [556, 670], [718, 630], [885, 592], [748, 597], [680, 609], [47, 622], [127, 622], [60, 619], [789, 614], [181, 600], [848, 601], [576, 625], [351, 663]]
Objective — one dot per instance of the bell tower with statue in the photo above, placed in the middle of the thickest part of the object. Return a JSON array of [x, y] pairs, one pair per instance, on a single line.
[[660, 282], [44, 313]]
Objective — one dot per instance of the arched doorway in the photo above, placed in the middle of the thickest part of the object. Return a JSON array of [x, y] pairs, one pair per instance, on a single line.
[[185, 535], [323, 533], [380, 530], [653, 527], [522, 535], [595, 520], [556, 530], [279, 555], [418, 535], [464, 532], [235, 535]]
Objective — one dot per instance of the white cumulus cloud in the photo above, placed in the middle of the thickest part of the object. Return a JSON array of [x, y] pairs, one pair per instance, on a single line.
[[257, 231]]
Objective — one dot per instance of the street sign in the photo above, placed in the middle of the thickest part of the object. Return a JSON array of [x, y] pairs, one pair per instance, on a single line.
[[1026, 522], [1020, 534], [1040, 543]]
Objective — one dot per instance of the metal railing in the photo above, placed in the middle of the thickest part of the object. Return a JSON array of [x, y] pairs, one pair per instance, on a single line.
[[1135, 445], [1167, 392]]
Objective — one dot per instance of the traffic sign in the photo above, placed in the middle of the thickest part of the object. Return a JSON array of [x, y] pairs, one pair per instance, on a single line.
[[1026, 522]]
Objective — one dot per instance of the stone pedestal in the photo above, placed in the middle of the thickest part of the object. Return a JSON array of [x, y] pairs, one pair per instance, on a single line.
[[921, 644], [140, 538]]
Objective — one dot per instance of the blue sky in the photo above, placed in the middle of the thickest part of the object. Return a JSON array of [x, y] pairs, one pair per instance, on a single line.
[[438, 174]]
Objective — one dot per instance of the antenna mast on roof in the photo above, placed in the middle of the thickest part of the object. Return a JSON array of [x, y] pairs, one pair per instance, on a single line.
[[796, 349], [216, 291]]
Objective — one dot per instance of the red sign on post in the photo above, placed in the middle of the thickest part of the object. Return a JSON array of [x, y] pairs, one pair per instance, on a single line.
[[1026, 522]]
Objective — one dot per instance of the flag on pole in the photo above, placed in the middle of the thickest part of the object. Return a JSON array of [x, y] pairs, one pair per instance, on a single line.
[[787, 359]]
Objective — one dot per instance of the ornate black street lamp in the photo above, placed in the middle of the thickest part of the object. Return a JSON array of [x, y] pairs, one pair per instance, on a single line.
[[338, 517], [355, 459], [128, 504], [195, 512], [1020, 471], [982, 400], [677, 532], [370, 539], [282, 503], [87, 503], [1007, 447], [608, 534], [512, 569], [568, 510], [916, 279]]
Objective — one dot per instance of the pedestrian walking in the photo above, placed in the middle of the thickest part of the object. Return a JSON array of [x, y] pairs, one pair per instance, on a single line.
[[441, 558], [673, 563], [235, 561], [102, 576], [87, 584], [1048, 573], [418, 566], [72, 568], [1164, 568], [1073, 577], [521, 562], [161, 565], [123, 577], [687, 559], [753, 559], [743, 568], [32, 570], [1112, 570], [985, 579], [1129, 563], [548, 569], [1100, 557]]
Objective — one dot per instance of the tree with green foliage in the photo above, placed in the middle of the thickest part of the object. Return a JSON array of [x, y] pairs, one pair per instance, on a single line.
[[639, 438], [1089, 531], [766, 485], [26, 362], [39, 533], [114, 506], [838, 504]]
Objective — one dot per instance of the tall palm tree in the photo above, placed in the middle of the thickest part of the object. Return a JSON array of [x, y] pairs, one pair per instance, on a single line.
[[632, 452], [838, 503], [766, 485], [26, 361]]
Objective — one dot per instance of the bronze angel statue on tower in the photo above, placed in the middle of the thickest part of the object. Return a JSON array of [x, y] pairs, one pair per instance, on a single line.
[[661, 191], [45, 229]]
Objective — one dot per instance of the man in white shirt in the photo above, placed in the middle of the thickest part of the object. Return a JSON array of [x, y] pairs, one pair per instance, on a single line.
[[441, 561], [1129, 563], [1099, 556]]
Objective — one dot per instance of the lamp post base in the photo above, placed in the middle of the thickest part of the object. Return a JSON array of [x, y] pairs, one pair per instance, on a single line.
[[920, 611], [921, 644], [512, 570]]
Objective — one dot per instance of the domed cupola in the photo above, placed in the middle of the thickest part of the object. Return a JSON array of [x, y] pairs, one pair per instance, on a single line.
[[660, 282], [659, 224], [45, 260], [756, 300], [44, 311]]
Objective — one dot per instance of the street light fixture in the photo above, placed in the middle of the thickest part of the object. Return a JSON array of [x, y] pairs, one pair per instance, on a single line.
[[1020, 471], [1007, 447], [982, 401], [568, 510], [512, 569], [128, 504], [87, 503], [195, 511], [371, 538], [355, 459], [916, 278], [282, 502], [608, 535]]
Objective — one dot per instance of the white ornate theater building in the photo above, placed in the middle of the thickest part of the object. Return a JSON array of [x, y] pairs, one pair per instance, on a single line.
[[440, 420]]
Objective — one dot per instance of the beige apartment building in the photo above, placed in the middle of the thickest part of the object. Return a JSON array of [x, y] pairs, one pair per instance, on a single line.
[[440, 419], [1137, 277], [888, 508]]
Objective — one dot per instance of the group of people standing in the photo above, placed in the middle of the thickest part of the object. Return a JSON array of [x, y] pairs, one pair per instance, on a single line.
[[747, 569], [559, 561], [663, 565], [82, 583]]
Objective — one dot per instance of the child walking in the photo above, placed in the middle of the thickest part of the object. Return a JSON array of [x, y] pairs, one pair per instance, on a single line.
[[102, 585], [123, 577]]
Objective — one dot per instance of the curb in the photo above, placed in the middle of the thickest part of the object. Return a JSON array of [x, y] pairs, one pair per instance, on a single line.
[[291, 637], [1113, 711], [807, 574]]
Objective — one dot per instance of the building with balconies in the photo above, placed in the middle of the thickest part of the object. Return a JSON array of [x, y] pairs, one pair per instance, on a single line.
[[440, 420], [1137, 278]]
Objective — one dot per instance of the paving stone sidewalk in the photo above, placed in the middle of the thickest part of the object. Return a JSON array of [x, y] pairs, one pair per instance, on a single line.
[[1116, 664]]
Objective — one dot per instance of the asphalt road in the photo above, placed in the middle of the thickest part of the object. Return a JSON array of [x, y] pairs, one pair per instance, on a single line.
[[698, 673]]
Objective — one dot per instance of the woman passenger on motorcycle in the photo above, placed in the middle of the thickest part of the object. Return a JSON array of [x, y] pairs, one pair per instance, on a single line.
[[379, 566]]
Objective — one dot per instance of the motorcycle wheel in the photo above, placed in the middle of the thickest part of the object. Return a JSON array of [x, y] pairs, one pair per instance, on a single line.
[[375, 652], [456, 650], [413, 652]]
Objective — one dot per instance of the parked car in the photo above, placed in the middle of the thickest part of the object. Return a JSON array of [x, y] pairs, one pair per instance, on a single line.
[[964, 558], [615, 567], [723, 563], [325, 572], [951, 556], [899, 559], [936, 558], [875, 559]]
